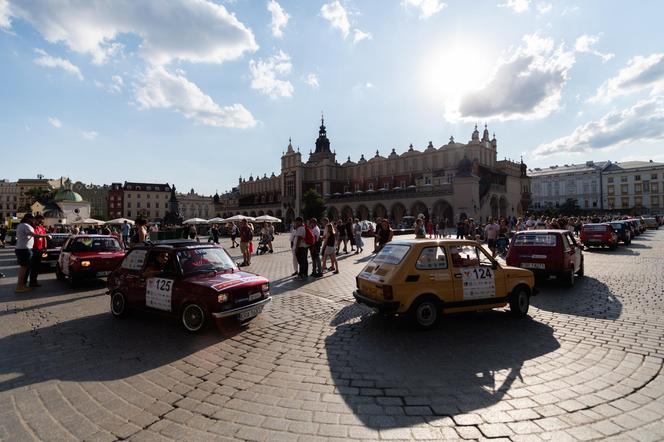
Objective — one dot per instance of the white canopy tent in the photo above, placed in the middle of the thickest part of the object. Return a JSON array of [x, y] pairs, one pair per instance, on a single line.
[[216, 220], [267, 219], [89, 222], [119, 221], [195, 221], [237, 218]]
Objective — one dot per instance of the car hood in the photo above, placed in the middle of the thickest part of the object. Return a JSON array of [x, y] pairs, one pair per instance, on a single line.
[[226, 281], [91, 255]]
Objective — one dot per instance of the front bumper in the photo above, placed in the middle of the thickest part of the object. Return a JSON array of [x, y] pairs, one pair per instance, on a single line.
[[237, 311], [384, 306]]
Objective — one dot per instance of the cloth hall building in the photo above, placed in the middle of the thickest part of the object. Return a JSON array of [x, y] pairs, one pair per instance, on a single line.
[[448, 182]]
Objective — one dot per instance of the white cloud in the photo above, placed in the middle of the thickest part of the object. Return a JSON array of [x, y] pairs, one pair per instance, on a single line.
[[641, 73], [517, 6], [279, 18], [335, 13], [527, 85], [359, 35], [264, 75], [427, 8], [586, 43], [368, 85], [115, 86], [187, 30], [160, 89], [643, 122], [49, 61], [5, 15], [570, 10], [89, 134], [312, 80], [544, 8], [55, 122]]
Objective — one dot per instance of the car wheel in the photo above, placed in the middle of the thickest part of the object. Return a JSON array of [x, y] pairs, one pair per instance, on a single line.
[[569, 278], [193, 318], [520, 302], [74, 282], [119, 306], [59, 275], [424, 313]]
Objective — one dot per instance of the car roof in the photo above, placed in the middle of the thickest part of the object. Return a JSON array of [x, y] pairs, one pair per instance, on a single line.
[[93, 236], [542, 231], [409, 242], [171, 244]]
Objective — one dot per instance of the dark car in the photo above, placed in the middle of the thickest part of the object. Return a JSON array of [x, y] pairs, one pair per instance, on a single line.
[[598, 235], [88, 256], [547, 253], [53, 247], [623, 231], [191, 281]]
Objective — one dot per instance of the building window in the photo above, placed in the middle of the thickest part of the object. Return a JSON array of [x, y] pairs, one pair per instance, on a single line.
[[637, 177], [129, 204], [138, 205], [148, 206], [653, 176], [637, 188], [654, 201], [129, 195], [129, 213], [156, 205], [638, 201], [371, 186], [611, 190], [624, 202], [623, 189], [623, 179]]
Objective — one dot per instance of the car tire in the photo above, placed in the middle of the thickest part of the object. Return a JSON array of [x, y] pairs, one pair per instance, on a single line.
[[569, 278], [520, 302], [119, 307], [74, 282], [193, 318], [425, 312], [59, 275]]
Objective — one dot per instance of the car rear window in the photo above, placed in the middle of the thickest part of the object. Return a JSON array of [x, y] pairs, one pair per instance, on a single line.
[[56, 241], [535, 239], [595, 228], [618, 226], [95, 245], [392, 254]]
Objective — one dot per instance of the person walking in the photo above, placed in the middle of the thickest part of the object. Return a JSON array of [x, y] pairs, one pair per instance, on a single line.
[[126, 229], [301, 248], [357, 236], [293, 243], [25, 240], [491, 231], [234, 234], [38, 248], [3, 233], [386, 234], [349, 234], [214, 234], [246, 236], [379, 226], [329, 243], [314, 250], [420, 232]]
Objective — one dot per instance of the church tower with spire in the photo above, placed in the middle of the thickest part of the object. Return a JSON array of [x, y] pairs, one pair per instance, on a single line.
[[322, 151]]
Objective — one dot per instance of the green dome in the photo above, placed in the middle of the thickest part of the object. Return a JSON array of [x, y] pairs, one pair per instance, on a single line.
[[67, 195]]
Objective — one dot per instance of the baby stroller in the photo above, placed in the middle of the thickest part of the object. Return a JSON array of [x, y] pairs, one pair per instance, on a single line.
[[263, 245]]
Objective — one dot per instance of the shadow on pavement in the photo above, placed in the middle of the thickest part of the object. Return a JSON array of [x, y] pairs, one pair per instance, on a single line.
[[589, 298], [468, 363], [97, 348]]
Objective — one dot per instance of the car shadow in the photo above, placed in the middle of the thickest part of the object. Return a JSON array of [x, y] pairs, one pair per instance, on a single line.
[[589, 297], [622, 250], [468, 363], [97, 348]]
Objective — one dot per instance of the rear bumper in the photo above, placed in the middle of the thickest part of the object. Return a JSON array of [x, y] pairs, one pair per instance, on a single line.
[[385, 306], [237, 311]]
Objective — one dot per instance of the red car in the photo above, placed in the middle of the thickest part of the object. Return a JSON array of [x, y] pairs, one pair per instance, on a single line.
[[547, 253], [88, 256], [599, 235], [194, 282]]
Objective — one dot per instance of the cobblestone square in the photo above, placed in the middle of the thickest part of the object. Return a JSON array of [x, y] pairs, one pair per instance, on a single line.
[[586, 365]]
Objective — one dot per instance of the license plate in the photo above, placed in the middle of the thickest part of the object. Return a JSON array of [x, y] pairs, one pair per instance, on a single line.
[[104, 273], [533, 265], [254, 311], [255, 296]]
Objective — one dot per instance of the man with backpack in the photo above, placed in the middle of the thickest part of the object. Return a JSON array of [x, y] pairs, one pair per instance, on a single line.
[[304, 238]]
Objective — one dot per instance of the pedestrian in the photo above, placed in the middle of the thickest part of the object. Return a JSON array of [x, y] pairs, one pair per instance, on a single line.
[[491, 231], [270, 237], [38, 248], [461, 227], [341, 236], [214, 234], [293, 244], [379, 226], [25, 239], [234, 234], [301, 248], [141, 233], [430, 228], [246, 237], [126, 228], [314, 249], [420, 232], [329, 243], [386, 234], [357, 235], [349, 234], [3, 233]]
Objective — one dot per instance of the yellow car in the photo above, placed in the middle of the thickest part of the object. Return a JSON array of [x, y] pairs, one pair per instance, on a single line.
[[424, 278]]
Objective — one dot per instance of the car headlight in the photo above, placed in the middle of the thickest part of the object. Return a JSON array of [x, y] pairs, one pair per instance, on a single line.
[[265, 288], [85, 263], [222, 297], [44, 255]]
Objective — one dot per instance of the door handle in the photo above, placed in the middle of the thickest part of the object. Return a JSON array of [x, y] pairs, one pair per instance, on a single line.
[[457, 275]]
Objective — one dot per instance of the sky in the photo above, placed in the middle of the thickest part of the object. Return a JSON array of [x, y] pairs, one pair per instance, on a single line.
[[199, 92]]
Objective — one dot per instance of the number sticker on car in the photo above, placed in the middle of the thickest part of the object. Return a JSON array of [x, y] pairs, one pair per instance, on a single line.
[[478, 283], [158, 293]]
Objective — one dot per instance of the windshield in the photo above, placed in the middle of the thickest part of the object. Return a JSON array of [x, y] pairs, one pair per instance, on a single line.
[[535, 239], [95, 245], [595, 227], [392, 254], [200, 260]]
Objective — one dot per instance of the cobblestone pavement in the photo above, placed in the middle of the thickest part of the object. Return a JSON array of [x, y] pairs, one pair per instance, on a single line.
[[314, 366]]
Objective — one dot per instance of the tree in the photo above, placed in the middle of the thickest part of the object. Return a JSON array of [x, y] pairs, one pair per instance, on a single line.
[[38, 194], [569, 207], [313, 204]]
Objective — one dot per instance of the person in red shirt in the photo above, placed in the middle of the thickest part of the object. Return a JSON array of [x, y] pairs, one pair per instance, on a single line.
[[37, 250]]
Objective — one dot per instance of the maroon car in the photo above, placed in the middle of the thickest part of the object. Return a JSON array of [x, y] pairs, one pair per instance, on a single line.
[[194, 282], [88, 256], [547, 253]]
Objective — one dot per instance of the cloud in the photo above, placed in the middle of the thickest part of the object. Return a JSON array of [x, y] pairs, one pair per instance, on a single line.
[[5, 15], [55, 122], [279, 18], [359, 35], [114, 87], [89, 134], [427, 8], [160, 89], [517, 6], [527, 85], [177, 30], [544, 8], [586, 43], [569, 10], [312, 80], [264, 75], [641, 73], [643, 122], [335, 13], [49, 61]]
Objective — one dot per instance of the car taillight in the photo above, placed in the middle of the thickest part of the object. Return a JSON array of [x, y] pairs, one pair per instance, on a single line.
[[387, 292], [44, 255]]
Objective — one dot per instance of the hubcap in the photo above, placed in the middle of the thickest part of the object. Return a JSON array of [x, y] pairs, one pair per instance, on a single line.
[[193, 317], [426, 314], [118, 304]]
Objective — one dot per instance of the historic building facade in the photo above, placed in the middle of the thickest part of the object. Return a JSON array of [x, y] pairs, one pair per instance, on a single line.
[[636, 186], [96, 195], [146, 200], [193, 205], [553, 186], [448, 182]]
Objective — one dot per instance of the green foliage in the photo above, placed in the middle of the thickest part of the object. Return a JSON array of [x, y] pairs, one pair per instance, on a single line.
[[313, 205], [38, 194]]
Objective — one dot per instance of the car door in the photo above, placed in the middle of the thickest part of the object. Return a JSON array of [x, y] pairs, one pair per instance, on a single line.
[[568, 254], [132, 266], [434, 273], [473, 282], [157, 281], [576, 247]]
